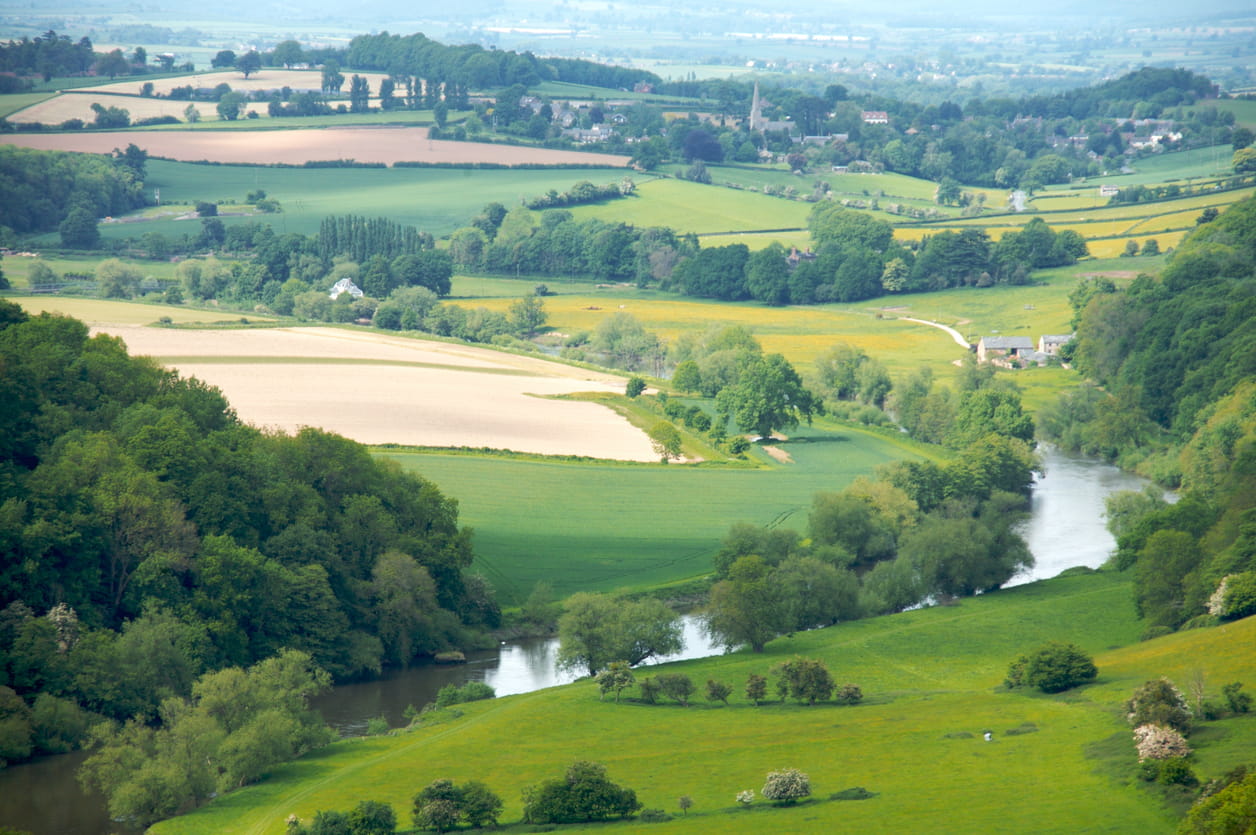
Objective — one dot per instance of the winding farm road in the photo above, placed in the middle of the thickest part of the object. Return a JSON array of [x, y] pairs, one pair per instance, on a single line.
[[959, 339]]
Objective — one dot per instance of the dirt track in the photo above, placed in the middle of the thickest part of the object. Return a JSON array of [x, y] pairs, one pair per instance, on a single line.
[[386, 145]]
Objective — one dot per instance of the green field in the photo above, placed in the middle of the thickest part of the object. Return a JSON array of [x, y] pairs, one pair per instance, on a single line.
[[14, 102], [602, 525], [691, 207], [436, 200], [931, 683], [1212, 161]]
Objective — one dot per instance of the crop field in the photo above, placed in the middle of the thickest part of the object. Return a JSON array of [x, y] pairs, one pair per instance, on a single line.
[[129, 314], [378, 389], [378, 118], [435, 200], [78, 105], [386, 145], [759, 240], [691, 207], [602, 526], [931, 684], [266, 79]]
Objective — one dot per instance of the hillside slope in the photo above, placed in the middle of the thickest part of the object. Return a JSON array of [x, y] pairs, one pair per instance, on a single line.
[[932, 684]]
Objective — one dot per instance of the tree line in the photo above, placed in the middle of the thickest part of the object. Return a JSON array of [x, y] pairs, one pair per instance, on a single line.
[[1171, 360], [44, 188], [151, 537]]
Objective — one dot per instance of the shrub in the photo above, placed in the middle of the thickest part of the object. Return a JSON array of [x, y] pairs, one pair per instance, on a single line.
[[472, 691], [1235, 596], [616, 677], [635, 386], [1052, 668], [849, 694], [676, 686], [787, 787], [654, 816], [756, 688], [738, 445], [718, 691], [442, 805], [649, 690], [206, 209], [370, 817], [805, 679], [1158, 702], [377, 726], [1156, 742], [583, 795], [1235, 700]]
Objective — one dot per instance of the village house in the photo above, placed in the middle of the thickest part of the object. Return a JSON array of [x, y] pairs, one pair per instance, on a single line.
[[875, 117]]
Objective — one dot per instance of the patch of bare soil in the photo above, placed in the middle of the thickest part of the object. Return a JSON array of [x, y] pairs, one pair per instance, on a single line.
[[262, 147], [779, 454], [380, 389]]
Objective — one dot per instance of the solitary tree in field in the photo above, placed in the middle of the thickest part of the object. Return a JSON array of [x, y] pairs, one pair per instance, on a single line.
[[249, 63], [768, 395]]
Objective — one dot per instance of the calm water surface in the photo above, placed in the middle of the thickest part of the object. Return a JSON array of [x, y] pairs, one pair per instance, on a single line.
[[1066, 529]]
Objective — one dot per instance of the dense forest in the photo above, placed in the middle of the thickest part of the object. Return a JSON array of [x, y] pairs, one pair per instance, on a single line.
[[43, 188], [151, 537], [1173, 358]]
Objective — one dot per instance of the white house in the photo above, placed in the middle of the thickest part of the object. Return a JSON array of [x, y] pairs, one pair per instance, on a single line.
[[345, 285]]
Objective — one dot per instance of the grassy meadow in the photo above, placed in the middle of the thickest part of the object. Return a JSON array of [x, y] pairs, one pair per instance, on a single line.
[[691, 207], [931, 680]]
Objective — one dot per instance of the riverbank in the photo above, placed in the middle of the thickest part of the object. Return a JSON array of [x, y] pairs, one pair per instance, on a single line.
[[918, 732]]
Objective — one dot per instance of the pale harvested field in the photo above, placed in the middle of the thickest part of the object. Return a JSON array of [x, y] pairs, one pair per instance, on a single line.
[[378, 389], [386, 145], [267, 78], [76, 105]]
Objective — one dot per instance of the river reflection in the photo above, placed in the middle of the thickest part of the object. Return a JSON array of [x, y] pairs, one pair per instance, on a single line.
[[1067, 525], [517, 667]]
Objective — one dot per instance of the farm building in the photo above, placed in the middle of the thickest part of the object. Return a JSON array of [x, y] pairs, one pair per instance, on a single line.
[[1000, 349], [1050, 344]]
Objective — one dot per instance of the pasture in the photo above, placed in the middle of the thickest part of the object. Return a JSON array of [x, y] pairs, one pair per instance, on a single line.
[[13, 102], [691, 207], [931, 684]]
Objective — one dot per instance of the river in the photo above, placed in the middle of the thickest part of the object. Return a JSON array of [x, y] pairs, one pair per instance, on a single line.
[[1065, 529]]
